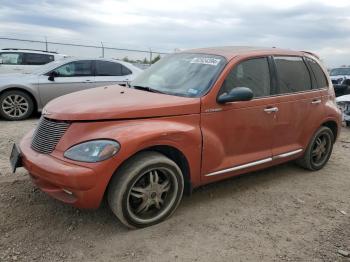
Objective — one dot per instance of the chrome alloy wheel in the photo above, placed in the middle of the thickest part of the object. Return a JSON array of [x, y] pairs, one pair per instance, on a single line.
[[152, 195], [15, 106], [321, 148]]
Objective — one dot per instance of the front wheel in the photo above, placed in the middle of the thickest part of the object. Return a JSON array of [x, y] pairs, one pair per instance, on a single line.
[[319, 150], [146, 190], [347, 123], [16, 105]]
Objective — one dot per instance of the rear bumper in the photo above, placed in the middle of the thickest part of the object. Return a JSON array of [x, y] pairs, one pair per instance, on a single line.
[[67, 182]]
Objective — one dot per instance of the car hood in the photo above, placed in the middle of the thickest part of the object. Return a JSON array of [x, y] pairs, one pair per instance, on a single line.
[[339, 76], [117, 102]]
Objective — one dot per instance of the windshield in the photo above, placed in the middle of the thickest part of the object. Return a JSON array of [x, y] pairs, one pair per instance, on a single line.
[[189, 75], [340, 71]]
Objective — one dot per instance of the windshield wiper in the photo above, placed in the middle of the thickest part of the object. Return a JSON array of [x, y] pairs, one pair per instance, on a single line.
[[146, 88]]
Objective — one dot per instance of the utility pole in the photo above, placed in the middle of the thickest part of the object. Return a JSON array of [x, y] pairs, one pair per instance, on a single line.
[[46, 45], [103, 50], [150, 56]]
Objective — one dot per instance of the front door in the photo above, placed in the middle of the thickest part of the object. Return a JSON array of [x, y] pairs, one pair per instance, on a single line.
[[70, 77], [239, 135]]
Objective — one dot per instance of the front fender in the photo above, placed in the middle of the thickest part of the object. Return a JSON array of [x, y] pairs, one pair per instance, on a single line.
[[180, 132]]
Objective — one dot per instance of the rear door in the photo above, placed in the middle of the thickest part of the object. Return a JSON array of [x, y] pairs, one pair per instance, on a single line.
[[71, 77], [238, 135], [109, 73], [299, 106]]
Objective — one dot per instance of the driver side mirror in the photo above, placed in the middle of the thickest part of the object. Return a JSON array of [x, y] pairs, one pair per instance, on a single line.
[[52, 75], [236, 94], [1, 61]]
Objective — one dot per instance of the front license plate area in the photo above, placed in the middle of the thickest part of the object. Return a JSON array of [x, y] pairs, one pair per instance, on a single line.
[[15, 158]]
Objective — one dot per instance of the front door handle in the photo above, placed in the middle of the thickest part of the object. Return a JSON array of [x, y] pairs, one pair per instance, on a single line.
[[316, 101], [271, 109], [87, 81]]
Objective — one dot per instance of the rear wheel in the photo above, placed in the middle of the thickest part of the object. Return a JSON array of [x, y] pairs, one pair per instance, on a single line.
[[146, 190], [319, 150], [16, 105]]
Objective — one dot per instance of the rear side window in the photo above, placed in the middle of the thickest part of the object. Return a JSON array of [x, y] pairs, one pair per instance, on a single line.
[[321, 79], [293, 75], [253, 73], [12, 58], [37, 59], [105, 68]]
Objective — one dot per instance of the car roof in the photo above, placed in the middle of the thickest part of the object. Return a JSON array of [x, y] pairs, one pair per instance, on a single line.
[[16, 50], [230, 52]]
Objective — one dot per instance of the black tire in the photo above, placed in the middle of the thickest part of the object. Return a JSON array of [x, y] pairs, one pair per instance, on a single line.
[[347, 123], [135, 209], [16, 105], [316, 156]]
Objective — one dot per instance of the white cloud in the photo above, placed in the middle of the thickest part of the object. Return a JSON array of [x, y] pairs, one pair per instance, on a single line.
[[321, 26]]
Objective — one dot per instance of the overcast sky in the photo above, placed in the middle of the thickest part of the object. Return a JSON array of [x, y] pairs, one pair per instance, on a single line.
[[321, 26]]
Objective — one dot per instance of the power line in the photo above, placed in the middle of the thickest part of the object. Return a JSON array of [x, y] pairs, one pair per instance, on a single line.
[[79, 45]]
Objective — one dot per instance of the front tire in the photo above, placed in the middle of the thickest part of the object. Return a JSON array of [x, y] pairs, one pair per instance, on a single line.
[[146, 190], [16, 105], [318, 151], [347, 123]]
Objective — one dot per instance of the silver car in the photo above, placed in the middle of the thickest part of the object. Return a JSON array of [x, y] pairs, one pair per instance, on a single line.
[[21, 94]]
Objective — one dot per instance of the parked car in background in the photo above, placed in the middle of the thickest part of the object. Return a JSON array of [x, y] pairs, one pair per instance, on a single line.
[[192, 118], [13, 60], [344, 105], [338, 75], [21, 94]]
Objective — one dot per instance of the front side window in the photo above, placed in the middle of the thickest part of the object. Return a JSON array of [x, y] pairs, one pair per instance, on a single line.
[[182, 74], [293, 75], [253, 73], [321, 79], [77, 68], [11, 58], [37, 59]]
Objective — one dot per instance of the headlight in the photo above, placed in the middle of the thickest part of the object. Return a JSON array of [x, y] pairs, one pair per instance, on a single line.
[[93, 151]]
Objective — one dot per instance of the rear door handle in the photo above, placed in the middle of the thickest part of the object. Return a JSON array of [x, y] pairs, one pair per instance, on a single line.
[[316, 101], [88, 81], [271, 109]]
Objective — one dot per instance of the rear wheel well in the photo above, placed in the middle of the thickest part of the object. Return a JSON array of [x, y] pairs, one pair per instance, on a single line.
[[332, 126], [24, 91]]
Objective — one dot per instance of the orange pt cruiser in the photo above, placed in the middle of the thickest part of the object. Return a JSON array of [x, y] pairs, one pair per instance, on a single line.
[[193, 118]]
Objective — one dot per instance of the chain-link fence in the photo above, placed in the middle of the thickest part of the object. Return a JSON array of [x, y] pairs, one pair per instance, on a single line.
[[142, 57]]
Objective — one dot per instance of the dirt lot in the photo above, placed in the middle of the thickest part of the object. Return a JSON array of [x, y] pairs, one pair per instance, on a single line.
[[280, 214]]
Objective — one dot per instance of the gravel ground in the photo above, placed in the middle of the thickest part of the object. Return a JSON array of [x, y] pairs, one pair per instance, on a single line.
[[283, 213]]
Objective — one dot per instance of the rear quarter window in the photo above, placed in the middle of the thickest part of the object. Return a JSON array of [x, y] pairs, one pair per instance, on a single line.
[[321, 80], [293, 74]]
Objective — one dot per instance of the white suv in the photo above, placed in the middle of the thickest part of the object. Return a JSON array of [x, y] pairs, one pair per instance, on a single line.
[[25, 60]]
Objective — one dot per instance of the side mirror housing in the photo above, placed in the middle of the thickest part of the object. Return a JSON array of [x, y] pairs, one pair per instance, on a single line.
[[236, 94], [1, 61], [52, 75]]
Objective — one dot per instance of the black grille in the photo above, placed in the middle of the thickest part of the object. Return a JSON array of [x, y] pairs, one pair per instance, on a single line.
[[48, 134]]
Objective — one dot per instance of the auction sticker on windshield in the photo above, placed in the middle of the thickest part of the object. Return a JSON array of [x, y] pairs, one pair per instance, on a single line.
[[205, 61]]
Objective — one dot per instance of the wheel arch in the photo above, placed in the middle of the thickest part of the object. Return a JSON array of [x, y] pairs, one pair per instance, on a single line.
[[172, 153], [333, 126]]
